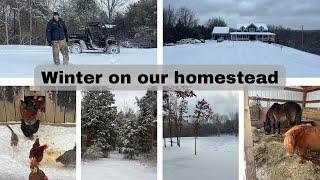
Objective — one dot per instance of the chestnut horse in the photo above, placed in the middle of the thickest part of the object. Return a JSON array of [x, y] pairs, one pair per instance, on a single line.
[[304, 137], [289, 111]]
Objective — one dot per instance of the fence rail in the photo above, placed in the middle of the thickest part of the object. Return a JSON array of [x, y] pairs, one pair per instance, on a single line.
[[54, 113]]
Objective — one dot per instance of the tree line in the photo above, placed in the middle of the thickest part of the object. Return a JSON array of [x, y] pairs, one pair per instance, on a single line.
[[105, 130], [183, 23], [203, 121], [24, 21]]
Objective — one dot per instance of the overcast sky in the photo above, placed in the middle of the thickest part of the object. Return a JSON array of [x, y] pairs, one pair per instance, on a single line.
[[222, 102], [288, 13], [127, 99]]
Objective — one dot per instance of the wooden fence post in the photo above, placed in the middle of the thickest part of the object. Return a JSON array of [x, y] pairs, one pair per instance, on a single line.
[[248, 143]]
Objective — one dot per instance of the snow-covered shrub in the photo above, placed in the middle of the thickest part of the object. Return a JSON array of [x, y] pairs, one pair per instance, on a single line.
[[92, 153]]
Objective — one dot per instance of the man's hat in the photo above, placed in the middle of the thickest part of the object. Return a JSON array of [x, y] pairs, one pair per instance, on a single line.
[[56, 14]]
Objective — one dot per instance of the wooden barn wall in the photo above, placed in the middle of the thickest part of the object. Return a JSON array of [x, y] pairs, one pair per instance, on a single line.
[[9, 109]]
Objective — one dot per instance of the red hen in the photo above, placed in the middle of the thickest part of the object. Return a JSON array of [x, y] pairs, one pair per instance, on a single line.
[[37, 151]]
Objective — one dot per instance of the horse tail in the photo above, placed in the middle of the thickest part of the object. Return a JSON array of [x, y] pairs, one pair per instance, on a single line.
[[298, 115]]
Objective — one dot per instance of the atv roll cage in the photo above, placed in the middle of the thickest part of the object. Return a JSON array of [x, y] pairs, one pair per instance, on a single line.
[[97, 37]]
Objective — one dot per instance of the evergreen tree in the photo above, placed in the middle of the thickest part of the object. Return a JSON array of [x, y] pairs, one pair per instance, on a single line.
[[128, 137], [146, 121], [98, 119]]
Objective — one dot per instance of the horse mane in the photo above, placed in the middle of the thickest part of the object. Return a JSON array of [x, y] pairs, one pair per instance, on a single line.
[[294, 134], [298, 131], [288, 105]]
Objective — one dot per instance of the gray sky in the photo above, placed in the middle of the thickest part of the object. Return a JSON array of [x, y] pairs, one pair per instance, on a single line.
[[127, 99], [222, 102], [288, 13]]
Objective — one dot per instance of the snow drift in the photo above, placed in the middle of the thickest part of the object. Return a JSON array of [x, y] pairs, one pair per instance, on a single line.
[[59, 140], [296, 62], [217, 158], [20, 61], [116, 168]]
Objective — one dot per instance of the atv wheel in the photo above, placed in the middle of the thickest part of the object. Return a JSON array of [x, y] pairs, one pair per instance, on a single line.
[[75, 48], [113, 49]]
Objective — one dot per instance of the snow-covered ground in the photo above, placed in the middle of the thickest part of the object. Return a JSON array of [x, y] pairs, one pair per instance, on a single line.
[[297, 63], [217, 158], [117, 168], [20, 61], [59, 139]]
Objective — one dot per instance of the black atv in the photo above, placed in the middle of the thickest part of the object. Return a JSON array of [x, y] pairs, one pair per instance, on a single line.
[[97, 37]]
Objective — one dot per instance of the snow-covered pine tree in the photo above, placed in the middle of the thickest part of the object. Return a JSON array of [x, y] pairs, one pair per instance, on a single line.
[[146, 121], [128, 137], [98, 119]]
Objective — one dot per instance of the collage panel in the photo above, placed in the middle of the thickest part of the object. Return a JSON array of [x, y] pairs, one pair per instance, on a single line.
[[82, 32], [37, 133], [119, 135], [282, 133], [233, 32], [201, 134]]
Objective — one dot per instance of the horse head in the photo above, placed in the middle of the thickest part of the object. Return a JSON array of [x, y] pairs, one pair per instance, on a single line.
[[290, 144]]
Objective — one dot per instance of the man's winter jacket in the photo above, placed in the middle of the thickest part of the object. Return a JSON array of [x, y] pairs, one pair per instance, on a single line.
[[56, 30]]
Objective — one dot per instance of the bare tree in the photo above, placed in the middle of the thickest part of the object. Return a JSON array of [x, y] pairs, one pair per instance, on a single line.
[[5, 8], [200, 113], [183, 109], [30, 22], [113, 6], [187, 17], [169, 16]]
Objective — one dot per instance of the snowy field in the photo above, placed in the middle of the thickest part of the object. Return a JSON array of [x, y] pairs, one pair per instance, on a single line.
[[217, 158], [59, 139], [297, 63], [117, 168], [20, 61]]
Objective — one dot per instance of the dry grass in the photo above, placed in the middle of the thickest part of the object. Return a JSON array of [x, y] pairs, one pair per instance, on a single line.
[[273, 163]]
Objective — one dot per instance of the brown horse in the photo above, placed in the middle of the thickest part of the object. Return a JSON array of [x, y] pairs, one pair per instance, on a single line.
[[304, 137], [289, 111]]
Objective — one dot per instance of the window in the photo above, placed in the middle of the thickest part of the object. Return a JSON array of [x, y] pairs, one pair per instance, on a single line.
[[261, 28], [242, 28], [252, 29]]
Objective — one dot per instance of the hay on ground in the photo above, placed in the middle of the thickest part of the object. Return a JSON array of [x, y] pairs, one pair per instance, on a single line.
[[273, 163]]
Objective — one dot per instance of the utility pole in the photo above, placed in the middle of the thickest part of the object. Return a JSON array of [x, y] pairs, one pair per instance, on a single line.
[[302, 37]]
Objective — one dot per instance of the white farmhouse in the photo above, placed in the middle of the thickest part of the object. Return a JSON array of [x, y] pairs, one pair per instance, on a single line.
[[252, 31], [220, 32]]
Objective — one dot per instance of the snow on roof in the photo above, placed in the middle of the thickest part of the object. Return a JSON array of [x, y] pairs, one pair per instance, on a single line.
[[220, 30], [253, 33], [265, 27]]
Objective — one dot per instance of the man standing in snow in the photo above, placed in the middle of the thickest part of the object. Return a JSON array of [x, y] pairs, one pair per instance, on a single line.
[[57, 36]]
